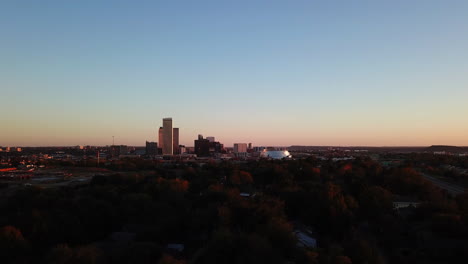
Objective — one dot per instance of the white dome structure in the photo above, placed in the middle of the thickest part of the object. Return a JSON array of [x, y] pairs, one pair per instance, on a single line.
[[275, 154]]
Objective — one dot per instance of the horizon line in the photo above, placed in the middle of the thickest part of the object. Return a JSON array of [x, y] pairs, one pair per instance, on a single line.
[[337, 146]]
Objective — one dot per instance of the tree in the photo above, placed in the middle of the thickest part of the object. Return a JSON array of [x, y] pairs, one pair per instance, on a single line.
[[13, 246], [167, 259], [241, 179], [60, 254], [376, 201], [63, 254], [342, 260]]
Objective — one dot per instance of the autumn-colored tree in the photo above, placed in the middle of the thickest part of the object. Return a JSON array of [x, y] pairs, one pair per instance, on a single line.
[[241, 179], [168, 259], [63, 254]]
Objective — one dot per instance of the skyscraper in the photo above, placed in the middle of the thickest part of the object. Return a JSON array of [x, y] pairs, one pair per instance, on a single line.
[[167, 144], [161, 139], [175, 140]]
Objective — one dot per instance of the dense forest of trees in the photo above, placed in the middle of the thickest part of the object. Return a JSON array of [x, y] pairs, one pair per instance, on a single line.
[[349, 206]]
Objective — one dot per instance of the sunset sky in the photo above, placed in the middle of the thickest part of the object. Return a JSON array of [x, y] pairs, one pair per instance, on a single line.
[[375, 73]]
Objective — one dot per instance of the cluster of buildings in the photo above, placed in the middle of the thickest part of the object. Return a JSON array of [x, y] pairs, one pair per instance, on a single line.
[[167, 147], [204, 147], [168, 141], [169, 138], [168, 144]]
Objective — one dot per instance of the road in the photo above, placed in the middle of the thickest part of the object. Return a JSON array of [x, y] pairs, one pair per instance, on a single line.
[[451, 188]]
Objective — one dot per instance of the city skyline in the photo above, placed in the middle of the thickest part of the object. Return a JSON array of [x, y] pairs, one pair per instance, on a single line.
[[276, 73], [158, 137]]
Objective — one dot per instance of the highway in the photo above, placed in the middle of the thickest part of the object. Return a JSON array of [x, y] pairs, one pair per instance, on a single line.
[[451, 188]]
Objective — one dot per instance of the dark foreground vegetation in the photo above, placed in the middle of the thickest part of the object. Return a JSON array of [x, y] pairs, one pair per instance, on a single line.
[[132, 216]]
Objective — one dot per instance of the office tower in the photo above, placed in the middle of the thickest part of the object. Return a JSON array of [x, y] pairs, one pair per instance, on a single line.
[[175, 140], [240, 147], [151, 148], [211, 139], [160, 140], [202, 146], [167, 136]]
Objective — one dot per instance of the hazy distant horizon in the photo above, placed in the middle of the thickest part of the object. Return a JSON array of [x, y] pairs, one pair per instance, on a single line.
[[230, 146], [391, 73]]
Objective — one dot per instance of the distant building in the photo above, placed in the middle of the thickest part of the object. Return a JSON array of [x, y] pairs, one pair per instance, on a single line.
[[167, 146], [168, 138], [204, 148], [175, 140], [240, 147], [160, 137], [258, 149], [275, 154], [116, 150], [211, 139], [182, 149], [216, 147], [190, 149], [151, 148]]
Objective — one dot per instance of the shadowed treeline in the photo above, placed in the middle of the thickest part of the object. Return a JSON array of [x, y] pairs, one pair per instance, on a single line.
[[237, 213]]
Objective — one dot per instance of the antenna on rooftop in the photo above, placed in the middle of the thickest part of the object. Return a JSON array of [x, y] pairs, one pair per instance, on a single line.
[[113, 141]]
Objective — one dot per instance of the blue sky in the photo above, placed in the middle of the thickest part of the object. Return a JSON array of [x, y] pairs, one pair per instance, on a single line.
[[266, 72]]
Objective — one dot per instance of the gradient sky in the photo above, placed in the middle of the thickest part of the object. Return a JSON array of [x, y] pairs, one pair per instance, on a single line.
[[380, 73]]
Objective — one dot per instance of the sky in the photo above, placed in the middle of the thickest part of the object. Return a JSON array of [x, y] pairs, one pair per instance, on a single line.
[[270, 72]]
